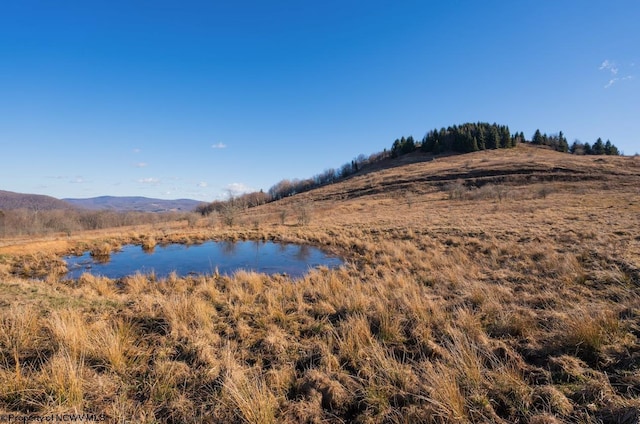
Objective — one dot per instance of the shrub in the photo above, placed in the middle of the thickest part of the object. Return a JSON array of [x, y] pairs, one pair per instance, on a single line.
[[304, 213], [455, 190], [229, 214]]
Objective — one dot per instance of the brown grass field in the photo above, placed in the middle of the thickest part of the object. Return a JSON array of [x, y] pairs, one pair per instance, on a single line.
[[498, 286]]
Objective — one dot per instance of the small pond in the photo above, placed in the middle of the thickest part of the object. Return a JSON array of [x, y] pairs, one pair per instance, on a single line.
[[225, 256]]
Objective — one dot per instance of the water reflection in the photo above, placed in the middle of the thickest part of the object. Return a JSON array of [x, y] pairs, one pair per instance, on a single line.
[[101, 259], [228, 248], [225, 256], [304, 252]]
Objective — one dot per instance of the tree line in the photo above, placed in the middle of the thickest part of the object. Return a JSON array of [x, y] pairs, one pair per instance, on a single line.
[[27, 222], [472, 137], [289, 187], [559, 143], [465, 138]]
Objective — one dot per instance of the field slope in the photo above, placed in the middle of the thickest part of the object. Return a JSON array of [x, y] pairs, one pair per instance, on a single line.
[[498, 286]]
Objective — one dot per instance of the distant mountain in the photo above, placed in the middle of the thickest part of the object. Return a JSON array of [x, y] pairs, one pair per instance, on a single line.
[[135, 203], [11, 200]]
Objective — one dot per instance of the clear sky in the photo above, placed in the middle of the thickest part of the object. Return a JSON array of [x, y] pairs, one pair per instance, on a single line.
[[190, 99]]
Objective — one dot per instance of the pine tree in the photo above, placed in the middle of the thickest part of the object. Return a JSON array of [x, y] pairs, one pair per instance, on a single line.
[[428, 141], [474, 144], [610, 149], [563, 145], [395, 148], [493, 138], [505, 138], [537, 137], [481, 138], [598, 147], [409, 146]]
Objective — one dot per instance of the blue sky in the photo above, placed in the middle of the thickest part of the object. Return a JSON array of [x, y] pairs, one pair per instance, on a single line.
[[191, 99]]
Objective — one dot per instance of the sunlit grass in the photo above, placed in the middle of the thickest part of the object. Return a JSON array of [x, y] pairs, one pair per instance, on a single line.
[[485, 307]]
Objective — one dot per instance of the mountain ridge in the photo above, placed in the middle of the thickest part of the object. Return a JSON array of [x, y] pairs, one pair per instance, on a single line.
[[10, 200], [134, 203]]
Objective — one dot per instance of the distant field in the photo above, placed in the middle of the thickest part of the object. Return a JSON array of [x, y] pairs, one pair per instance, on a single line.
[[498, 286]]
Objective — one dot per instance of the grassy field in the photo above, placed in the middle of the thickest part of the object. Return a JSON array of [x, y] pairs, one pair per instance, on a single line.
[[498, 286]]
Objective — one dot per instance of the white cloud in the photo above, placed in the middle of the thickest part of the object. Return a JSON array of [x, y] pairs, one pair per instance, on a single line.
[[141, 165], [235, 189], [613, 69], [136, 150], [610, 66], [203, 184], [218, 146], [615, 80], [149, 180], [78, 180]]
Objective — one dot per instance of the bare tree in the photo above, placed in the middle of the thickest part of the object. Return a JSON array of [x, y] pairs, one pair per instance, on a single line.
[[229, 214]]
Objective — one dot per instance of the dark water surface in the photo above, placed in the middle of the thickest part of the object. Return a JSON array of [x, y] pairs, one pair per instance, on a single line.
[[225, 256]]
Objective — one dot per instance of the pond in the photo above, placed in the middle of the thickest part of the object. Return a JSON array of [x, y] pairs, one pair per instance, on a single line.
[[224, 256]]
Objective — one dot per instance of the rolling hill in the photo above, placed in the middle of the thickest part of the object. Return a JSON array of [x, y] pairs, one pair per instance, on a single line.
[[517, 170], [134, 203], [10, 200]]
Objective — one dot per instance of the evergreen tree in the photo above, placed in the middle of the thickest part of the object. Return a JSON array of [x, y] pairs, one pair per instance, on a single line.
[[409, 146], [598, 147], [537, 137], [429, 140], [474, 144], [481, 138], [505, 138], [493, 138], [545, 140], [610, 149], [395, 148], [563, 145], [587, 149], [403, 146], [437, 146]]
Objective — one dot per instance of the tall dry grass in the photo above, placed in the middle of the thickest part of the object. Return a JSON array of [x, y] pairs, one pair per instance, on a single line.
[[482, 308]]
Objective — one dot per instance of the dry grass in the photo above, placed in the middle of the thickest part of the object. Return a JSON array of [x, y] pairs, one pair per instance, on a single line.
[[515, 301]]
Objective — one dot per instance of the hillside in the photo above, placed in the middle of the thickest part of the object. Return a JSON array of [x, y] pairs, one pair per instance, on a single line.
[[10, 200], [134, 203], [525, 165], [497, 286]]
